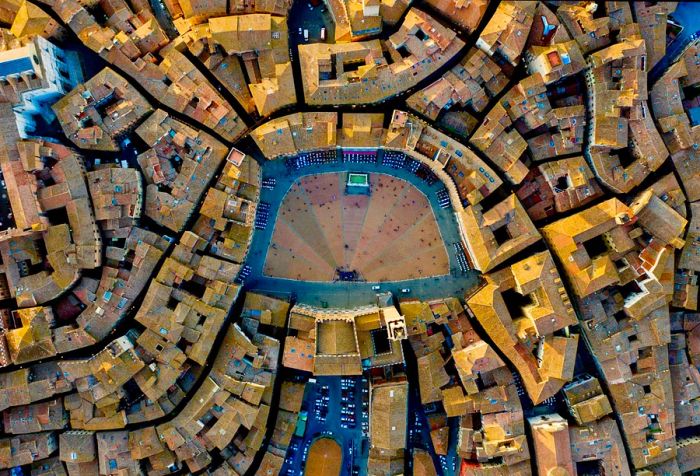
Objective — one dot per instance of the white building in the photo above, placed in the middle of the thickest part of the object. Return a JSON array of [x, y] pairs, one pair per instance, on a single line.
[[33, 77]]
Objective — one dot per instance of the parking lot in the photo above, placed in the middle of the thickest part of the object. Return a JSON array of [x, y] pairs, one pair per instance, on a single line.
[[304, 16], [345, 420]]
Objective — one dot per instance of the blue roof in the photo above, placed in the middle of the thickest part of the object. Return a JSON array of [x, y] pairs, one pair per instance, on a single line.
[[15, 66]]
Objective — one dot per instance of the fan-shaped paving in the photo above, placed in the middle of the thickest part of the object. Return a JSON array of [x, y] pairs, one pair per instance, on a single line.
[[389, 235]]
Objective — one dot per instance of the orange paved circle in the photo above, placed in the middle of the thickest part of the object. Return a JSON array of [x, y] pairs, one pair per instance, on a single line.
[[325, 458]]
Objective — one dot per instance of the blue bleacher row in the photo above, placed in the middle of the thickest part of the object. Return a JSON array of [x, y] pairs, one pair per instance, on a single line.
[[243, 273], [360, 156], [308, 159], [269, 183], [461, 257], [443, 197], [398, 160], [262, 216], [395, 160], [392, 159]]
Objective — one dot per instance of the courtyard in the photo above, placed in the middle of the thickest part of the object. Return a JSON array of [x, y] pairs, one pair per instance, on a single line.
[[324, 233]]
